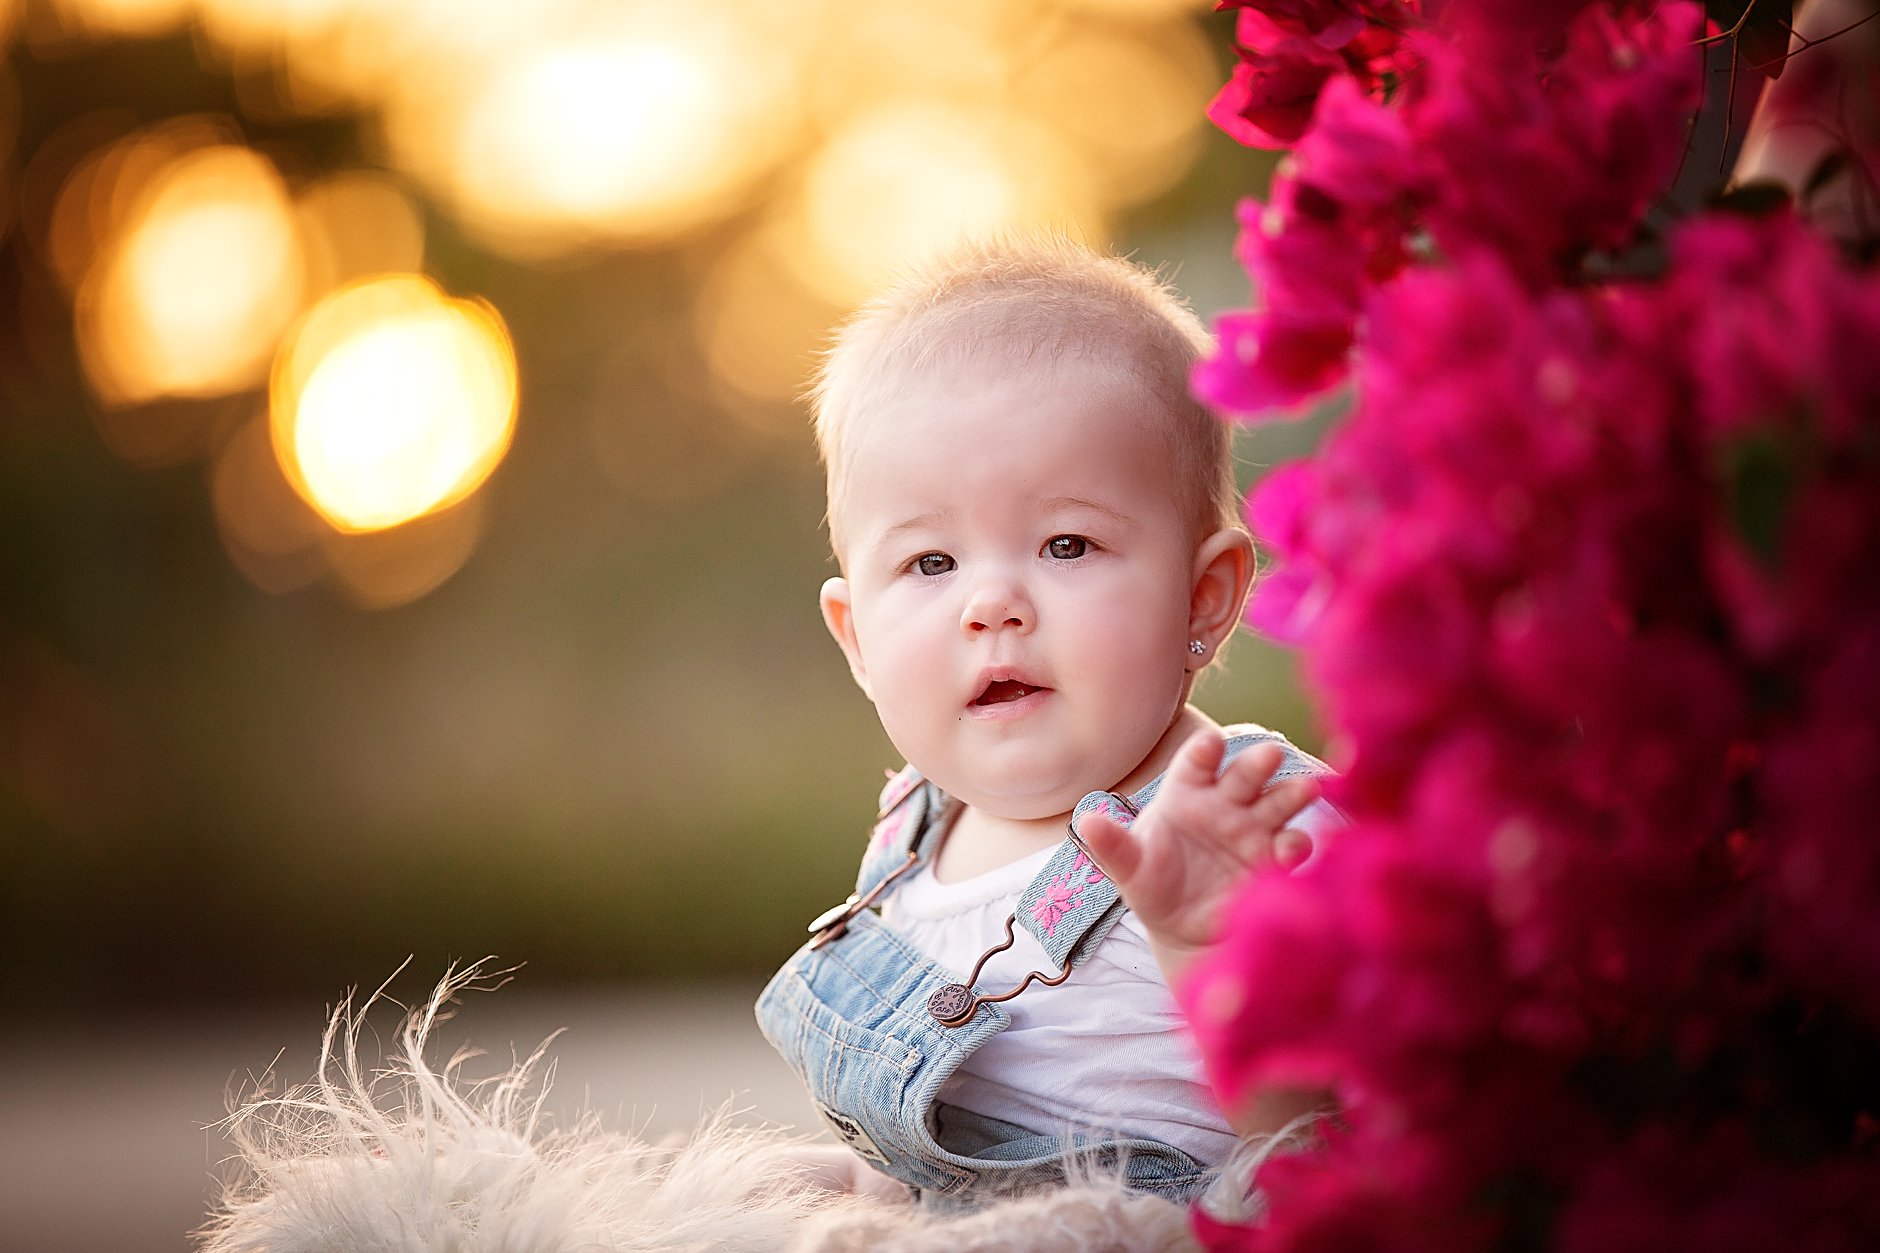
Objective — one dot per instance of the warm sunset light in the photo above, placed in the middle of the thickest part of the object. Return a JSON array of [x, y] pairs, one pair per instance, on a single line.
[[259, 22], [391, 401], [417, 53], [384, 569], [787, 159], [122, 17], [191, 296], [9, 125], [630, 138], [759, 327], [871, 53], [267, 529], [1134, 104], [1142, 10], [358, 224], [909, 179]]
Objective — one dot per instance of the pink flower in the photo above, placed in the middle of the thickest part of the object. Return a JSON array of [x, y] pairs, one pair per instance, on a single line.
[[1331, 23], [1289, 50], [1269, 100], [1821, 790], [1333, 226], [1361, 156], [1278, 514], [1542, 161]]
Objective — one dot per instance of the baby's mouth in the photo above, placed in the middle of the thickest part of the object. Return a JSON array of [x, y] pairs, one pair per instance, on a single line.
[[1004, 691]]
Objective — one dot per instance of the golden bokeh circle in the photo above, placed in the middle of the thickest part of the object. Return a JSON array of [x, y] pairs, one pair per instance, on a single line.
[[391, 401], [196, 281]]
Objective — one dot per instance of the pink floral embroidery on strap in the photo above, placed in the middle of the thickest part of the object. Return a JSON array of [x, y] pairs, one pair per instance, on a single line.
[[887, 828], [1059, 899], [1064, 893]]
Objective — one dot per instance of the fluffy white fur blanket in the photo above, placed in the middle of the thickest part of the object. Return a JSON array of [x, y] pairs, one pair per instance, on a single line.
[[407, 1158]]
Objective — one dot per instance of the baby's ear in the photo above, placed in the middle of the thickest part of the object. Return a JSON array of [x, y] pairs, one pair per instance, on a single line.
[[838, 613], [1223, 575]]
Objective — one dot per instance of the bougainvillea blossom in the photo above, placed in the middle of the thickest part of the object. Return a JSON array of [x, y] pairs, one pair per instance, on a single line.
[[1587, 584], [1536, 159], [1288, 52]]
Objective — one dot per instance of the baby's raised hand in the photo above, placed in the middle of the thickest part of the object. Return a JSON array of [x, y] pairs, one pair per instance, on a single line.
[[1182, 858]]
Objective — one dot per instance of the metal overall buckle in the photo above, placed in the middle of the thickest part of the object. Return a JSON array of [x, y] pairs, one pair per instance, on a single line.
[[955, 1004], [833, 923]]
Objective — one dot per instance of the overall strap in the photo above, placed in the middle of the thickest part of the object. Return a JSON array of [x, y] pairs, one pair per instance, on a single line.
[[909, 809], [1071, 905]]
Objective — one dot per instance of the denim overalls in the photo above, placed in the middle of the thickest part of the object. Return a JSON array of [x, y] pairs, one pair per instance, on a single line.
[[864, 1018]]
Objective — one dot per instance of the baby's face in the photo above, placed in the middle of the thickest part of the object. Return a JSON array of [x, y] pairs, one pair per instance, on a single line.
[[1019, 566]]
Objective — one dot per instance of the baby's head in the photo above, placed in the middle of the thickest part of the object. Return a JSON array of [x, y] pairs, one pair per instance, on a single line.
[[1042, 302], [1035, 521]]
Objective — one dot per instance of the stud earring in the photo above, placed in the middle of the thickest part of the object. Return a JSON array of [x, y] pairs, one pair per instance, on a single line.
[[1197, 647]]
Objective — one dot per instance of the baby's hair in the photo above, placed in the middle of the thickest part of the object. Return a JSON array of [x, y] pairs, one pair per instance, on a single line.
[[1020, 300]]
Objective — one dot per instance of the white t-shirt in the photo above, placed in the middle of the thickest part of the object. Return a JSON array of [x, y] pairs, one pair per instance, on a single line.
[[1107, 1050]]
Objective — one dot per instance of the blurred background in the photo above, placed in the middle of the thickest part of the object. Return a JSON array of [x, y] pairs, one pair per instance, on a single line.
[[409, 539]]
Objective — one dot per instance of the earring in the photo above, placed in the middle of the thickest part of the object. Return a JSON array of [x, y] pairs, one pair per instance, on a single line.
[[1197, 647]]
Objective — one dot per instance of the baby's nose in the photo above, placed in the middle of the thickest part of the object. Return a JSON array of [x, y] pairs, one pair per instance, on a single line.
[[997, 606]]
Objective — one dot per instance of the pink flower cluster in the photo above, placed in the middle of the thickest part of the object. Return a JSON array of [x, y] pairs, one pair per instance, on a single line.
[[1489, 146], [1588, 585]]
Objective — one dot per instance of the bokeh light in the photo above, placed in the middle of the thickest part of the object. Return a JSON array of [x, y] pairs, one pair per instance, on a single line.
[[385, 569], [588, 134], [794, 160], [97, 174], [9, 134], [129, 18], [418, 51], [391, 401], [759, 327], [1132, 100], [1140, 9], [57, 192], [915, 177], [967, 52], [357, 224], [191, 296], [271, 534], [632, 132], [254, 25]]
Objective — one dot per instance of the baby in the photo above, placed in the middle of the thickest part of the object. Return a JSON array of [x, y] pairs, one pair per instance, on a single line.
[[1039, 544]]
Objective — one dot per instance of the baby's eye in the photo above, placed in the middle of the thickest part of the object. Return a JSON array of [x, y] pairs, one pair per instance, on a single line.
[[1068, 547], [933, 564]]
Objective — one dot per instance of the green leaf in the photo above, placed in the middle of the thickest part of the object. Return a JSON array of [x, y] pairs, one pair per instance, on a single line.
[[1759, 473]]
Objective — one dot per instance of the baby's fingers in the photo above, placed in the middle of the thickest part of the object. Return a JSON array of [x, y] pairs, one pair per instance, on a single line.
[[1247, 775], [1197, 760], [1283, 802], [1110, 845], [1291, 847]]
